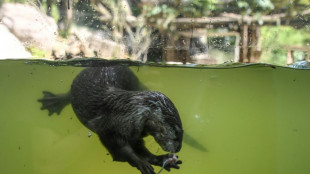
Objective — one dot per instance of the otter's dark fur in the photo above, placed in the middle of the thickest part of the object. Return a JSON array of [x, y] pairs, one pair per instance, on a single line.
[[110, 102]]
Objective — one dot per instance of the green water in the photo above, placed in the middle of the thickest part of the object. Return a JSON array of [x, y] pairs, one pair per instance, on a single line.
[[246, 120]]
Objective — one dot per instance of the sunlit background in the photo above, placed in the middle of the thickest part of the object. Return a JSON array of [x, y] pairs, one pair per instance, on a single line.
[[178, 31]]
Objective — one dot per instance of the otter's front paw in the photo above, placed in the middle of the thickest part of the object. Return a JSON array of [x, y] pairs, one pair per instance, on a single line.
[[171, 162], [145, 167]]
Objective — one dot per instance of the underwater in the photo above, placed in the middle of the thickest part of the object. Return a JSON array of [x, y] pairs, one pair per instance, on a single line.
[[237, 119]]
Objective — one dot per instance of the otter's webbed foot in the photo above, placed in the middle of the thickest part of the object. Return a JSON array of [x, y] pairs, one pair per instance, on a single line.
[[54, 103]]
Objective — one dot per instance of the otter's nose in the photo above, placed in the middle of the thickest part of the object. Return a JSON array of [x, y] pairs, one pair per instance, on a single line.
[[178, 147]]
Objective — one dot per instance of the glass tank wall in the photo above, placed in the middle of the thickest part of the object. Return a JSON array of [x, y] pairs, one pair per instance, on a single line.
[[235, 69]]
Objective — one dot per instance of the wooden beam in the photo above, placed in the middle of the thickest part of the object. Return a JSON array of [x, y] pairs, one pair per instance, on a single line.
[[199, 33], [204, 20], [244, 43], [250, 19], [296, 48], [235, 18], [290, 57]]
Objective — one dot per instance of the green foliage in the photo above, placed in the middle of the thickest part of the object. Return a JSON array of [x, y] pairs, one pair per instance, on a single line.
[[36, 52], [273, 40], [189, 8], [291, 5], [197, 8], [163, 10], [249, 7]]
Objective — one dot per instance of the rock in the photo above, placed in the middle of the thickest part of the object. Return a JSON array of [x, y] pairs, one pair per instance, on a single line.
[[29, 25], [84, 42], [10, 46]]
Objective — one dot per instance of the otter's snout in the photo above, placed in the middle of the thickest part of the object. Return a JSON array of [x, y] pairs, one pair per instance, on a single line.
[[178, 148]]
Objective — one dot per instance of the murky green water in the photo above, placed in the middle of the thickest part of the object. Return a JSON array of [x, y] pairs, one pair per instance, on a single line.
[[247, 120]]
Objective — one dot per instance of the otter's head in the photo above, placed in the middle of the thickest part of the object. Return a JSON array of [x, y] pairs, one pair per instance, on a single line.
[[169, 138], [165, 124]]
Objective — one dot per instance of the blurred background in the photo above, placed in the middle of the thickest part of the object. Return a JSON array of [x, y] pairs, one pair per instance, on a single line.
[[170, 31]]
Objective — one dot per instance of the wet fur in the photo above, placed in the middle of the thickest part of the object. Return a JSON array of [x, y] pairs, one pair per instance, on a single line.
[[111, 102]]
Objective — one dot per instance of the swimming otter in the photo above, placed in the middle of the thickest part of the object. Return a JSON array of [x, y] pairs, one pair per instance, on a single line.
[[111, 102]]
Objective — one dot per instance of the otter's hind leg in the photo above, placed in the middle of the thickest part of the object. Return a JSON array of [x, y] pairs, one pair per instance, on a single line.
[[121, 150]]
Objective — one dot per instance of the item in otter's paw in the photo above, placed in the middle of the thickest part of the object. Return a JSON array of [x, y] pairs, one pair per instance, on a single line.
[[172, 160], [111, 102], [168, 163]]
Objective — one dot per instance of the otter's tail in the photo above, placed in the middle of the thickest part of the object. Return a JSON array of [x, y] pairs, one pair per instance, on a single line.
[[54, 103]]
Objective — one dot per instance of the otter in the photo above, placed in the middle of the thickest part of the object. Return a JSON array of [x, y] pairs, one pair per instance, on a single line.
[[112, 102]]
